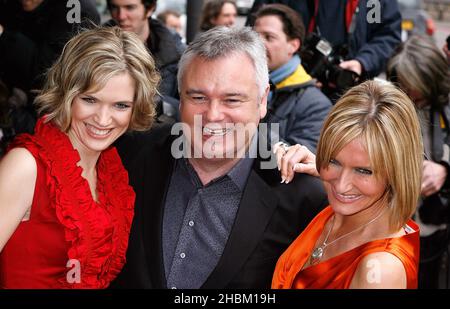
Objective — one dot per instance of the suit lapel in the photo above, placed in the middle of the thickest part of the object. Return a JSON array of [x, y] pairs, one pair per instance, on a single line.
[[158, 169], [255, 210]]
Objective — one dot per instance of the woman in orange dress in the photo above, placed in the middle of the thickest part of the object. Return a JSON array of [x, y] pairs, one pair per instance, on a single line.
[[369, 158]]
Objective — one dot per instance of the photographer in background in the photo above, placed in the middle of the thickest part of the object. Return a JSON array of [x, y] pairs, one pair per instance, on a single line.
[[295, 103], [368, 31]]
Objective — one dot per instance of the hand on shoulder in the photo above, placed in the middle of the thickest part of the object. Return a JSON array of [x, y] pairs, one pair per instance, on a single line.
[[379, 270]]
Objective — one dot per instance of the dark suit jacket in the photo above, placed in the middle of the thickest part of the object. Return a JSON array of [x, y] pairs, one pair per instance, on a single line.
[[270, 216]]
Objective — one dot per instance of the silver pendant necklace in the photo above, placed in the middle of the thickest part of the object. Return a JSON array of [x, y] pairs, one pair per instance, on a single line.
[[317, 253]]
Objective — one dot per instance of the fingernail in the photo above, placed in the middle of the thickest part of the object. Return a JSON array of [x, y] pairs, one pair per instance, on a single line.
[[283, 179]]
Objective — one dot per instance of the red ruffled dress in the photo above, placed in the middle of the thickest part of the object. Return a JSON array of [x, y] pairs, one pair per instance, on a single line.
[[70, 241]]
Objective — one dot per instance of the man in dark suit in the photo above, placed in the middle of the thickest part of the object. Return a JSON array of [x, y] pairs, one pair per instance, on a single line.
[[210, 209]]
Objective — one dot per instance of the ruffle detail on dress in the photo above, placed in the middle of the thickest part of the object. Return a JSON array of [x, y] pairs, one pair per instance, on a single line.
[[97, 232]]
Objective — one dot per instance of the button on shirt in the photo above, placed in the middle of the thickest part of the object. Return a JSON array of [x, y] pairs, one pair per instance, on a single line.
[[198, 220]]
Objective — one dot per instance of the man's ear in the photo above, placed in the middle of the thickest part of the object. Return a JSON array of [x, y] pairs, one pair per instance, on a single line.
[[294, 45], [150, 10], [263, 103]]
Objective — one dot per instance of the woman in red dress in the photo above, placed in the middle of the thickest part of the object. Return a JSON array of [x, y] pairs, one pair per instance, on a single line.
[[369, 158], [65, 204]]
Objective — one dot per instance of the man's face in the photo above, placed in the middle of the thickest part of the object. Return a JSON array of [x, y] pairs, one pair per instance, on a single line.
[[280, 48], [227, 16], [224, 97], [130, 15], [173, 22], [30, 5]]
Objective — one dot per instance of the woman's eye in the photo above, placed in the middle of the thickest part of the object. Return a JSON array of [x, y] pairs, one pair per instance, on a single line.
[[364, 171], [122, 105], [334, 162], [88, 100]]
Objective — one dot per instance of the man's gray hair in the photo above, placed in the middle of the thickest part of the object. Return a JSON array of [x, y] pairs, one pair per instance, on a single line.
[[223, 41]]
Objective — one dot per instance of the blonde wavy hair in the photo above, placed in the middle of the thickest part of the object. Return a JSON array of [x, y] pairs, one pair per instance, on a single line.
[[87, 62]]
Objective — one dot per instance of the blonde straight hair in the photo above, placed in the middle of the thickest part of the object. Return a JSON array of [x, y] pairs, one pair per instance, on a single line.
[[385, 119]]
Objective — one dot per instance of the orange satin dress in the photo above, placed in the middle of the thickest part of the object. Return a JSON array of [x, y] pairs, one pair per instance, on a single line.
[[337, 272]]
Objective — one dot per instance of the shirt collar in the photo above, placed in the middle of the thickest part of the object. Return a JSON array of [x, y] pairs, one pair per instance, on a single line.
[[238, 173]]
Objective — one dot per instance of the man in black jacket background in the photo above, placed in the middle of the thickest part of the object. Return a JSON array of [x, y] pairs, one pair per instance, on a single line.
[[165, 46]]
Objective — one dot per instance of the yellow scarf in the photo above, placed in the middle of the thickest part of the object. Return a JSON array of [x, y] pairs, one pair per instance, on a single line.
[[298, 77]]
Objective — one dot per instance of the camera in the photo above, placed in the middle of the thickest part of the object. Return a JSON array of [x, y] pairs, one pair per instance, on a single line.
[[321, 60]]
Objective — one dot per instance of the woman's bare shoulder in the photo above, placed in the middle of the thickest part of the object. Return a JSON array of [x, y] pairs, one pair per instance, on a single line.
[[379, 270]]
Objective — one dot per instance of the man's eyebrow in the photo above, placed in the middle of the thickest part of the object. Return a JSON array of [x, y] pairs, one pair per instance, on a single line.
[[268, 32], [235, 94], [227, 94]]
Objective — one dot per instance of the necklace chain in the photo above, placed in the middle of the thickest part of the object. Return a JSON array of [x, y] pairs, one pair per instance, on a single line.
[[317, 254]]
